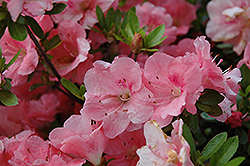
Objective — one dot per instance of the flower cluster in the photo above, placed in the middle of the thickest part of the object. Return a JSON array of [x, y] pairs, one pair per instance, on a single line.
[[98, 83]]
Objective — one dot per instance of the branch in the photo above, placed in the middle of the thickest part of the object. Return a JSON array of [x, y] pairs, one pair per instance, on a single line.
[[52, 67]]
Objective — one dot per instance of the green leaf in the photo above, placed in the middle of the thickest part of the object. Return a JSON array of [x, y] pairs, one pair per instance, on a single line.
[[53, 43], [245, 72], [129, 32], [17, 31], [189, 138], [35, 86], [8, 98], [58, 8], [100, 17], [2, 15], [235, 162], [194, 124], [154, 37], [133, 22], [96, 30], [224, 46], [0, 52], [38, 31], [110, 17], [213, 145], [247, 90], [82, 90], [213, 110], [226, 151], [7, 85], [119, 38], [243, 138], [149, 50], [2, 64], [71, 87], [21, 20], [12, 60], [210, 97], [118, 17], [3, 26], [205, 116]]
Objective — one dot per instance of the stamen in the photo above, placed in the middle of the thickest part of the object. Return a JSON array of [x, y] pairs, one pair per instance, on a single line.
[[227, 70], [215, 57]]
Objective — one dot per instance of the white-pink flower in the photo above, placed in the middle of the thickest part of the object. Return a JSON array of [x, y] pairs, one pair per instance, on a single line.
[[116, 95], [162, 150], [229, 22]]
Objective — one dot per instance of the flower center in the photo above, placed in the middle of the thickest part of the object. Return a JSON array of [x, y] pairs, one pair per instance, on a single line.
[[125, 97]]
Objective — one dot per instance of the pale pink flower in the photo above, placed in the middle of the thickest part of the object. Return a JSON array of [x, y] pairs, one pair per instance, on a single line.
[[31, 8], [82, 11], [123, 148], [229, 22], [181, 11], [73, 50], [152, 16], [26, 62], [176, 84], [77, 139], [163, 150], [116, 95], [185, 45]]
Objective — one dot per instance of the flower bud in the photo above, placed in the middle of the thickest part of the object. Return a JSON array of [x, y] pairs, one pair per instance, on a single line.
[[137, 43]]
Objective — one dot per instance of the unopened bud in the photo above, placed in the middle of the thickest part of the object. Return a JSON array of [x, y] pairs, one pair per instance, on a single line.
[[137, 43]]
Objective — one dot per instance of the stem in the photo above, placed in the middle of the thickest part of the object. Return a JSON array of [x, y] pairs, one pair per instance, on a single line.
[[52, 67]]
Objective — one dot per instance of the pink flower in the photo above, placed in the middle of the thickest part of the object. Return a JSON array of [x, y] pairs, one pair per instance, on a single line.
[[164, 150], [151, 16], [31, 8], [235, 119], [176, 83], [246, 57], [77, 139], [26, 62], [182, 12], [74, 47], [116, 95], [123, 148], [229, 22], [82, 11]]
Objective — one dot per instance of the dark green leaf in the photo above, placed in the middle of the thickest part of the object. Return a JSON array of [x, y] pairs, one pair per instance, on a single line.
[[71, 87], [210, 97], [194, 124], [30, 76], [0, 52], [82, 90], [213, 110], [35, 86], [247, 90], [235, 162], [53, 43], [189, 138], [8, 98], [118, 17], [38, 31], [110, 17], [12, 60], [3, 26], [213, 145], [17, 31], [155, 36], [100, 17], [243, 138], [21, 20], [205, 116], [119, 38], [224, 46], [2, 64], [58, 8], [239, 101], [226, 151], [96, 30], [2, 15], [245, 73]]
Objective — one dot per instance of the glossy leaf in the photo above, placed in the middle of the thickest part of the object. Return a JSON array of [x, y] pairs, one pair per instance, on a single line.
[[71, 87], [245, 72], [213, 145], [2, 15], [38, 31], [235, 162], [210, 97], [53, 43], [100, 17], [3, 26], [12, 60], [213, 110], [58, 8], [8, 98], [109, 20], [17, 31], [155, 36], [189, 138], [7, 85], [133, 22], [226, 151]]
